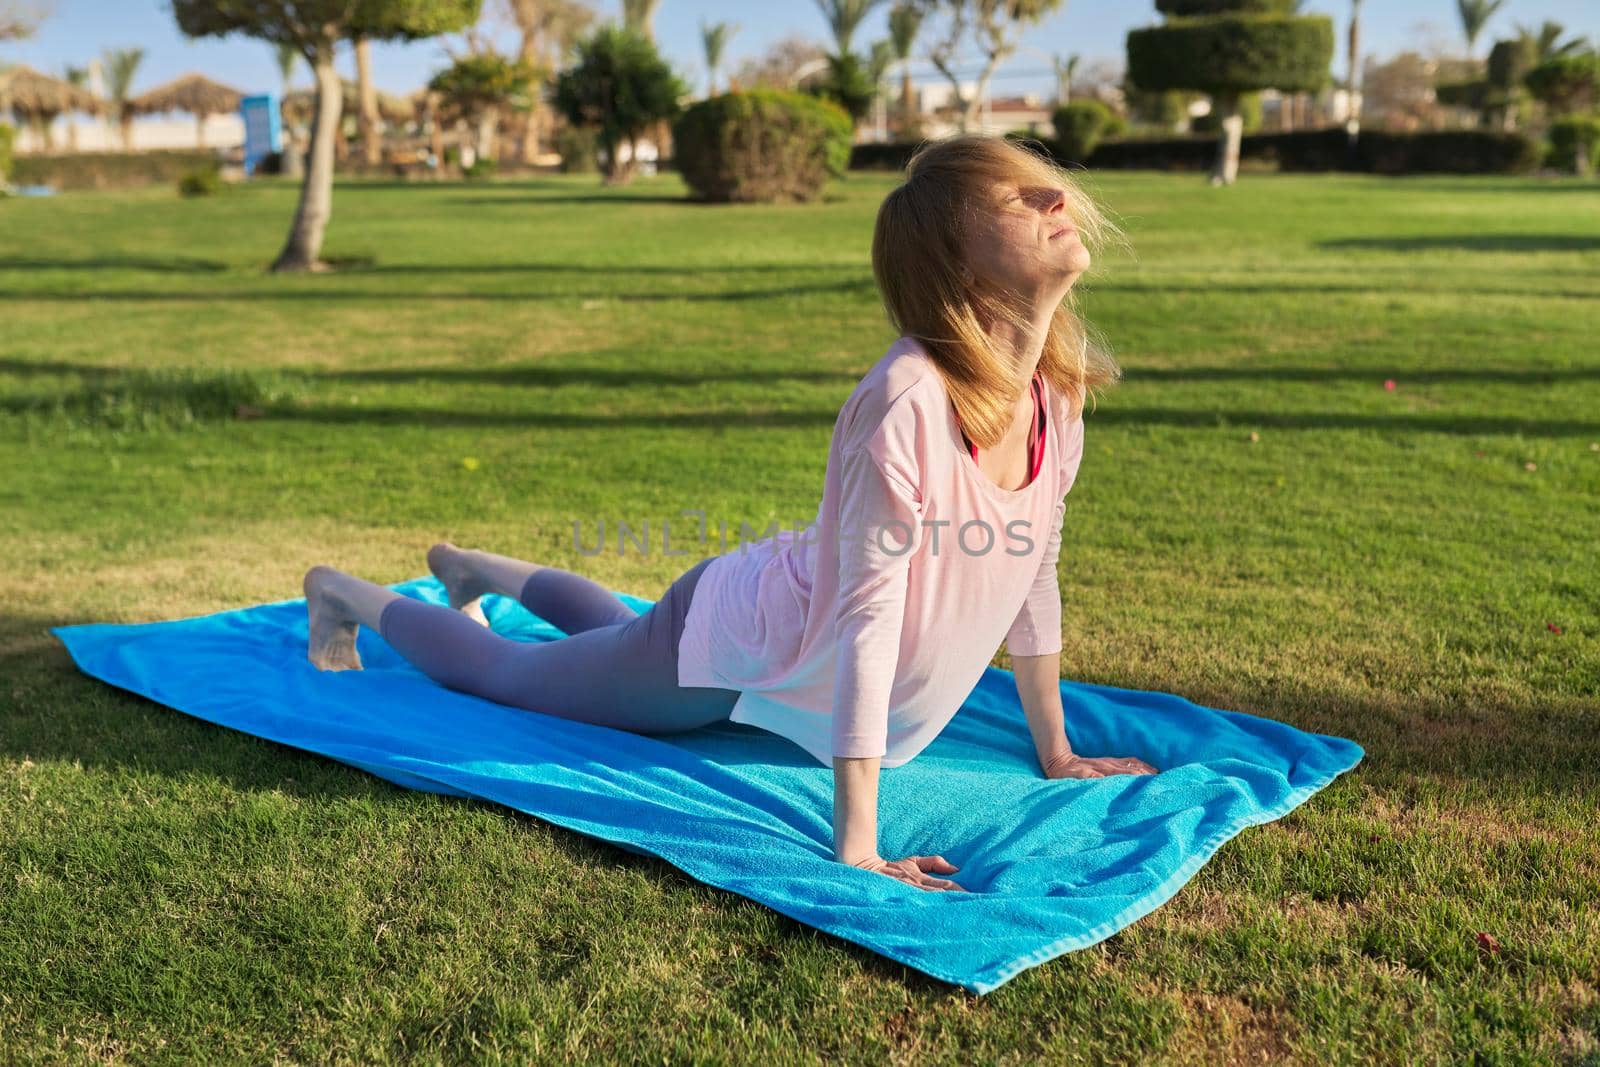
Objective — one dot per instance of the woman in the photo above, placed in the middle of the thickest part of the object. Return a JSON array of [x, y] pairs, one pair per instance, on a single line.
[[938, 534]]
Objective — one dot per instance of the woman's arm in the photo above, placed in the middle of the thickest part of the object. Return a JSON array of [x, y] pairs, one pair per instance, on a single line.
[[855, 829], [1039, 689], [855, 809]]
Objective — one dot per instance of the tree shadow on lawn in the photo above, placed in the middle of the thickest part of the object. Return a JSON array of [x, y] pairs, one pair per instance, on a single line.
[[358, 265], [1380, 287], [532, 374], [1470, 242], [114, 261], [1323, 375], [861, 285], [1442, 424]]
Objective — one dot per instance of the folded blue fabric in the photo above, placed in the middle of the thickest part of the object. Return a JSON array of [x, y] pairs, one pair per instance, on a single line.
[[1051, 866]]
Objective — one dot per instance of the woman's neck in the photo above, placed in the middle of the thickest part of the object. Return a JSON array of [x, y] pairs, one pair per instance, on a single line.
[[1023, 346]]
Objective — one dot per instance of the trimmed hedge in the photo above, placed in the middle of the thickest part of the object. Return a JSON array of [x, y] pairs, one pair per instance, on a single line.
[[1079, 125], [110, 170], [1469, 94], [1376, 152], [1187, 8], [1510, 61], [1566, 134], [761, 145], [1232, 53]]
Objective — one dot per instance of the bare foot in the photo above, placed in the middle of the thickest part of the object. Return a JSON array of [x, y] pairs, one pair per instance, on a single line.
[[332, 643], [461, 583]]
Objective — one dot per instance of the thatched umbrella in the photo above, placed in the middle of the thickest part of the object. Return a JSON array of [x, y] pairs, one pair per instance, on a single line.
[[194, 93], [37, 98]]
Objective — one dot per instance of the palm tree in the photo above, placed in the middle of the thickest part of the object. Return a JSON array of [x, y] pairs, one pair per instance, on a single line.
[[1065, 68], [289, 58], [121, 65], [1547, 41], [640, 15], [844, 17], [1475, 14], [905, 21], [549, 29], [1353, 78], [367, 101], [78, 76], [714, 38]]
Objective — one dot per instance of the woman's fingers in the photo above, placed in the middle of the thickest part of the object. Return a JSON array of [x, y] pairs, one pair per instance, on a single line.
[[934, 863]]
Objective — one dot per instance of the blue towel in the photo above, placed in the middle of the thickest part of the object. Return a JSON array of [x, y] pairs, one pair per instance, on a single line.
[[1051, 866]]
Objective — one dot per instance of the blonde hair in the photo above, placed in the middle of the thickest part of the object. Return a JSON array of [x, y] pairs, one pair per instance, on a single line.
[[917, 261]]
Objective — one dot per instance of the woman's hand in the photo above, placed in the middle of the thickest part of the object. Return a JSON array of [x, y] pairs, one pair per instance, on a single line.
[[914, 870], [1072, 765]]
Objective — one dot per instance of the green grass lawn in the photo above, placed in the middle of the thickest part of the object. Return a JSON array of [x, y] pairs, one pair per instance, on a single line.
[[498, 362]]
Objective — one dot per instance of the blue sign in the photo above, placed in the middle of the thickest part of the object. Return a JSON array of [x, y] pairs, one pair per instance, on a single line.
[[262, 128]]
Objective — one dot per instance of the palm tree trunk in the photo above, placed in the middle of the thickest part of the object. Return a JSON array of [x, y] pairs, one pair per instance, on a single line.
[[199, 131], [488, 121], [371, 141], [304, 247], [1226, 171], [905, 99]]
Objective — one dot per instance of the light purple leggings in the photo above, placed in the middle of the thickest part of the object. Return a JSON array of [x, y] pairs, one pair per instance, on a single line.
[[615, 667]]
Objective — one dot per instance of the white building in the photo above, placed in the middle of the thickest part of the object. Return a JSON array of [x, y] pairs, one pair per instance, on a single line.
[[155, 131]]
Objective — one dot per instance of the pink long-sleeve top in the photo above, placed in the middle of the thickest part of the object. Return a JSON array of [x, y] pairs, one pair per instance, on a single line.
[[864, 633]]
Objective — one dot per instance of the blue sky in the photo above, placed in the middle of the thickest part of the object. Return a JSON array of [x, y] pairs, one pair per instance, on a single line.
[[80, 29]]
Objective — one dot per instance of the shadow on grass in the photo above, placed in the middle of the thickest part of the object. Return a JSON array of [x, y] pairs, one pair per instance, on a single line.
[[1377, 288], [1470, 242], [156, 264], [863, 285], [1322, 375], [1443, 424], [614, 199], [135, 391], [607, 270]]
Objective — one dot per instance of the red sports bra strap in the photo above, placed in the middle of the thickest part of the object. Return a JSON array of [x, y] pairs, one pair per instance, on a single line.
[[1036, 432]]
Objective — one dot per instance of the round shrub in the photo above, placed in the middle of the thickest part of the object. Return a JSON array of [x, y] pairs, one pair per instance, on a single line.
[[576, 146], [1079, 126], [207, 181], [1567, 135], [764, 145]]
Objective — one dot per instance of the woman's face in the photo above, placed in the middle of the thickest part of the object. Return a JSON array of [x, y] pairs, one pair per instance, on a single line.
[[1025, 242]]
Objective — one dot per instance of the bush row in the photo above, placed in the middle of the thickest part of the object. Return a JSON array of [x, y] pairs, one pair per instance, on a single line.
[[1375, 152], [109, 170]]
